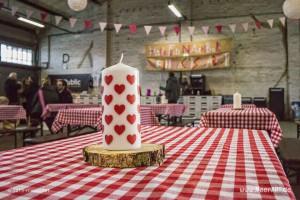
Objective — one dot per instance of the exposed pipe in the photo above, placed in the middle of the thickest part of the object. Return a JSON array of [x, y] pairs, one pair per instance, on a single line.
[[40, 7], [18, 14]]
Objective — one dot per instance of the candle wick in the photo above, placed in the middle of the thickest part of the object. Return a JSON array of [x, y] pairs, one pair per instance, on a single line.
[[121, 59]]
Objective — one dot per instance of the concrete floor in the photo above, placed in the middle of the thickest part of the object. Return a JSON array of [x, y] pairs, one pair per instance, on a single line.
[[288, 128]]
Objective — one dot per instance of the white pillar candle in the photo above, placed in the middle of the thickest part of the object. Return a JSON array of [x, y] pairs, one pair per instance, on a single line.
[[121, 108], [237, 101]]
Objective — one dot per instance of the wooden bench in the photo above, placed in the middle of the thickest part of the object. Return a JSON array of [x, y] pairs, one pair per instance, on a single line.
[[289, 151], [52, 137], [44, 139], [20, 130], [188, 122]]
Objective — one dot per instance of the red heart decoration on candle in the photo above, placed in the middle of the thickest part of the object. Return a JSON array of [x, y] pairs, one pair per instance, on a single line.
[[119, 88], [119, 129], [131, 139], [139, 127], [130, 79], [108, 119], [108, 99], [119, 109], [108, 79], [131, 118], [131, 98], [108, 139]]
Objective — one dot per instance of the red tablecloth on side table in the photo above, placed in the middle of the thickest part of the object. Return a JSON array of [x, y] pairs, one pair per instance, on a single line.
[[200, 164], [12, 112], [78, 116], [243, 106], [248, 118], [56, 107], [173, 110], [92, 117]]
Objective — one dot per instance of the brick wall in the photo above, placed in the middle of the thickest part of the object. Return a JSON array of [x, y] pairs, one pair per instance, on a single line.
[[258, 58]]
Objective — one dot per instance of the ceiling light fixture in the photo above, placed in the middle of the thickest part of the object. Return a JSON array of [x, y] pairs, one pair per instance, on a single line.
[[31, 22], [175, 11], [77, 5]]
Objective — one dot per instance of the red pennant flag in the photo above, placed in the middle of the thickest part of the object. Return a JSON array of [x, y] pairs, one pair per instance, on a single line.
[[133, 28], [88, 24], [177, 29], [258, 24], [219, 28], [44, 16]]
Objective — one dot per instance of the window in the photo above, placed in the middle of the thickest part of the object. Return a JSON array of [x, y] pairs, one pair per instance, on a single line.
[[12, 54]]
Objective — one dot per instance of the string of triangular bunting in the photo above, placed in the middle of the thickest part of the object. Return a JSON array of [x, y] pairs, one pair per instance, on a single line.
[[88, 24]]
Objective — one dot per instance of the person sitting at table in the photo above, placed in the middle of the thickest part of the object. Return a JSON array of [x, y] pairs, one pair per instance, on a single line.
[[64, 93], [11, 88], [172, 88], [45, 95]]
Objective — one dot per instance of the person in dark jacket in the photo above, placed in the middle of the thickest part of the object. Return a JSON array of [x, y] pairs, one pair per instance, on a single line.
[[11, 87], [46, 95], [30, 88], [64, 93], [172, 88]]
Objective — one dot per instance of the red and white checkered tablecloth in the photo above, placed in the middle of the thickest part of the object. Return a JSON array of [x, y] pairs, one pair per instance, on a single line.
[[148, 117], [243, 106], [200, 163], [12, 112], [78, 116], [173, 110], [50, 108], [248, 118], [92, 117]]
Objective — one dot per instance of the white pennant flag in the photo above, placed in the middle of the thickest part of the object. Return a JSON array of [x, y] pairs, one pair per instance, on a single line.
[[282, 20], [72, 21], [205, 29], [148, 29], [162, 30], [14, 10], [58, 20], [270, 22], [102, 26], [191, 30], [29, 13], [232, 27], [118, 27], [245, 26]]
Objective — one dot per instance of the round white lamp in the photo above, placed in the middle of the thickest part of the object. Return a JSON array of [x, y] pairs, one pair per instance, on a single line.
[[291, 9], [77, 5]]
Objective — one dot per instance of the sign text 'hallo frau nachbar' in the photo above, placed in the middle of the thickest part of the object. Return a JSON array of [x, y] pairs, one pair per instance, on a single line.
[[187, 56]]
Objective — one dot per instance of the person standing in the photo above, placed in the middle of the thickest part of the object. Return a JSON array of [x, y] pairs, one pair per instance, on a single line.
[[11, 88], [45, 95], [172, 88], [30, 88], [64, 93]]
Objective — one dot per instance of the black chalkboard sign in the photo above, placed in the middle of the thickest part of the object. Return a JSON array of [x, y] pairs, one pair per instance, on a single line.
[[76, 82]]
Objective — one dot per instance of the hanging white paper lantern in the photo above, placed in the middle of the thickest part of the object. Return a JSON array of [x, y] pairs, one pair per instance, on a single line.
[[291, 9], [77, 5]]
